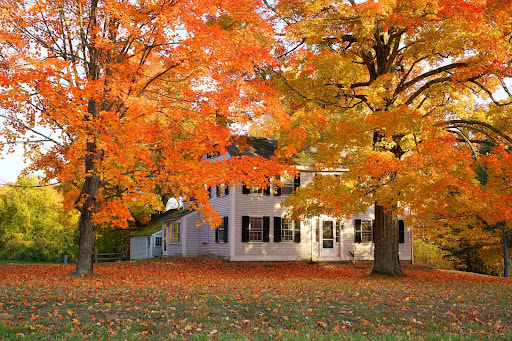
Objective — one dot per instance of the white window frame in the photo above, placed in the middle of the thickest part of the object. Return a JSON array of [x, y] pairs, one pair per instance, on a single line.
[[158, 241], [255, 229], [287, 230], [287, 184], [222, 190], [220, 232], [175, 232], [255, 190], [366, 231]]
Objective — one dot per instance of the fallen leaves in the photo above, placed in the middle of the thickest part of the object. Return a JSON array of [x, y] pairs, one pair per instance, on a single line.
[[164, 299]]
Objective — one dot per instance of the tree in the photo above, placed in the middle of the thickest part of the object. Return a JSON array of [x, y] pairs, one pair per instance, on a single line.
[[119, 100], [391, 92], [33, 223]]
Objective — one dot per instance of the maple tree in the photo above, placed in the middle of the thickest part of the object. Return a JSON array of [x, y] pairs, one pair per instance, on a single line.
[[120, 100], [394, 94]]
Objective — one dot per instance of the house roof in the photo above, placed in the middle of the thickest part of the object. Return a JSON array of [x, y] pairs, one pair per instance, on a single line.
[[254, 146], [156, 226], [176, 214]]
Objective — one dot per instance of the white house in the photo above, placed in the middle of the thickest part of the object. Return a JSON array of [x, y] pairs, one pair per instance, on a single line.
[[254, 227], [147, 243]]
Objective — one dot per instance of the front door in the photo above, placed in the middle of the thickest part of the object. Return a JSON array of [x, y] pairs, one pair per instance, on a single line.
[[328, 248]]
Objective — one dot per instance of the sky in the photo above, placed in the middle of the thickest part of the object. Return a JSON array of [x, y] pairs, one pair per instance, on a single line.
[[10, 167]]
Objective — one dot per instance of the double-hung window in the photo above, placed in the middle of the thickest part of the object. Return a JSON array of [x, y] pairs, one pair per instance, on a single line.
[[256, 229], [222, 190], [255, 190], [287, 185], [363, 231], [287, 230], [175, 234]]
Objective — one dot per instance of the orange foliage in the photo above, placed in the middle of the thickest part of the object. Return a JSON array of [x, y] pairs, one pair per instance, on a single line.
[[187, 297]]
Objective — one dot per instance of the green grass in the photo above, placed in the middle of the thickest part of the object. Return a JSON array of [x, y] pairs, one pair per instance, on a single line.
[[202, 299]]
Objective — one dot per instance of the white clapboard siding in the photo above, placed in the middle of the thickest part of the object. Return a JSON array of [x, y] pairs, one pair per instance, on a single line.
[[259, 205], [156, 250], [138, 248], [206, 234], [191, 234]]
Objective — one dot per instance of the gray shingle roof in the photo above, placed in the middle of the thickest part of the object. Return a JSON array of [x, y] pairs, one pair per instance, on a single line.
[[255, 146]]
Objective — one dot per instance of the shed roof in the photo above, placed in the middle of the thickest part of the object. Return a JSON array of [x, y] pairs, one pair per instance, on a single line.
[[156, 226]]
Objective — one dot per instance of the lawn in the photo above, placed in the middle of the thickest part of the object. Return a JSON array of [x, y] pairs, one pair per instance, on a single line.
[[206, 299]]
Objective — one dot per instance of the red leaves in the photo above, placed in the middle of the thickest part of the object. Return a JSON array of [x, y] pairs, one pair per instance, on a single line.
[[192, 297]]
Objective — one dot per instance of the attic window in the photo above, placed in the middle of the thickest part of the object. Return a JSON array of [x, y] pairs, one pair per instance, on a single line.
[[212, 154]]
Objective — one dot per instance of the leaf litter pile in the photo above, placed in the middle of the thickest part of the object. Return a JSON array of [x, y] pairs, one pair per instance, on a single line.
[[210, 299]]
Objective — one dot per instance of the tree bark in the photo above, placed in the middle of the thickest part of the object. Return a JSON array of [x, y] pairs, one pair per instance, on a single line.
[[90, 191], [386, 260], [87, 227], [506, 257]]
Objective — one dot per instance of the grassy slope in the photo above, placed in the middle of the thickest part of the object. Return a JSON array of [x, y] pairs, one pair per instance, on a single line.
[[204, 299]]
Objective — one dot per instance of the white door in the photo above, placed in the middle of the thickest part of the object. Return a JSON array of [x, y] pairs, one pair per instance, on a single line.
[[329, 246]]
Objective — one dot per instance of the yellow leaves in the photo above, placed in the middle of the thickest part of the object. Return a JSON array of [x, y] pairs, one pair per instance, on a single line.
[[380, 92]]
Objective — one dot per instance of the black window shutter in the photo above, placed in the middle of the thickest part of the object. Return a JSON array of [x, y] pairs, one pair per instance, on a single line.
[[296, 182], [209, 192], [245, 229], [277, 190], [357, 231], [277, 229], [266, 229], [296, 237], [225, 229], [217, 188], [266, 190], [401, 231], [226, 190], [217, 234], [245, 189]]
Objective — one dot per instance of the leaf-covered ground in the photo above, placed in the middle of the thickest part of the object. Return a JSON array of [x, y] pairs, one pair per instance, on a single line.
[[206, 299]]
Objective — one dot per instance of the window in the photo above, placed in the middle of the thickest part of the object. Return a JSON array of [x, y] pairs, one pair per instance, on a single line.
[[363, 231], [221, 233], [158, 241], [166, 235], [175, 234], [212, 154], [222, 190], [287, 230], [287, 186], [256, 229], [255, 190]]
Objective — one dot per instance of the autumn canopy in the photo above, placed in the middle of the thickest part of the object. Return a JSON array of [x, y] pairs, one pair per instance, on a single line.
[[403, 94], [120, 100]]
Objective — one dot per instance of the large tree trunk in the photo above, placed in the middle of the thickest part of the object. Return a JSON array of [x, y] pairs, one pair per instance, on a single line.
[[386, 259], [90, 190], [87, 227], [506, 258]]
